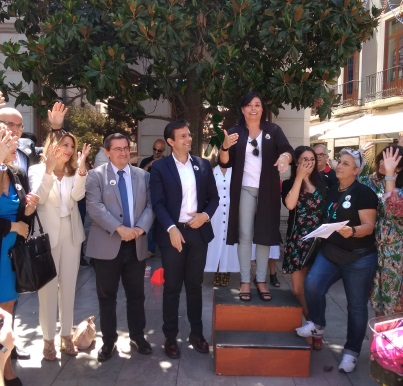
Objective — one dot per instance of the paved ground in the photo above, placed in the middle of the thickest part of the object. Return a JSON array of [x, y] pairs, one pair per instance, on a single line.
[[127, 367]]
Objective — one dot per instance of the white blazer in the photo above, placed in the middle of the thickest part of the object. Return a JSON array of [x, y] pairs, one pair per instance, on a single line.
[[45, 186]]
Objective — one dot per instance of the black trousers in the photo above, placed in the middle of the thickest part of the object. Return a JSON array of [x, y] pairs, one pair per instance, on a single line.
[[186, 267], [108, 274]]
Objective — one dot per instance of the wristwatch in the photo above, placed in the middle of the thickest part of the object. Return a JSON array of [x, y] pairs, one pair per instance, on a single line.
[[3, 349]]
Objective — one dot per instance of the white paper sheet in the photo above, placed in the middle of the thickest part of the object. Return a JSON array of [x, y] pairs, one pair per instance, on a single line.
[[325, 230]]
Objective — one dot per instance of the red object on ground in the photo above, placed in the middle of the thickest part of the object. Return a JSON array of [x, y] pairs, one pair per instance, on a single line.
[[158, 277]]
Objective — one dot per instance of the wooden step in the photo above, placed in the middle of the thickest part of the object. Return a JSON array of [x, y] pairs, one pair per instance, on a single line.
[[282, 314], [257, 353]]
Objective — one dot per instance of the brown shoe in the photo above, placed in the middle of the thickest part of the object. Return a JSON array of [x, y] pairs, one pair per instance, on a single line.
[[171, 348], [199, 343]]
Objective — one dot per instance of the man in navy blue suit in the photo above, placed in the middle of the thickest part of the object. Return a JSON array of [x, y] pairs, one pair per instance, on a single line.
[[184, 198]]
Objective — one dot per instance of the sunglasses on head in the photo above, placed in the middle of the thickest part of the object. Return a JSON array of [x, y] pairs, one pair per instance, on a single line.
[[158, 150], [255, 151]]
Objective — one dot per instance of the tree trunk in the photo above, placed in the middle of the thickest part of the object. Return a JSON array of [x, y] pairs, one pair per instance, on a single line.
[[195, 113]]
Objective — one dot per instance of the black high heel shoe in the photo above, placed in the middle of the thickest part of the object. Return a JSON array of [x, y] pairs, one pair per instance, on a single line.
[[245, 296], [265, 296], [274, 281]]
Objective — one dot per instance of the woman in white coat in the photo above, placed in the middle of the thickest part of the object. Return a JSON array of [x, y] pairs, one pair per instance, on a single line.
[[221, 258], [60, 183]]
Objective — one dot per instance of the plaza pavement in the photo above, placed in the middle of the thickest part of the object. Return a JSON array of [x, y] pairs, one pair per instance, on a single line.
[[127, 367]]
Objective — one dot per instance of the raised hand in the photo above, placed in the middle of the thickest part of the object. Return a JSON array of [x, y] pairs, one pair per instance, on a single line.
[[229, 140], [2, 100], [390, 160], [56, 116], [82, 157], [305, 169], [52, 157], [8, 144]]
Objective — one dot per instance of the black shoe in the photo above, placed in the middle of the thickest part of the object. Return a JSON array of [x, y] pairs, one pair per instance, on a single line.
[[17, 353], [12, 382], [106, 352], [274, 281], [141, 345], [83, 262], [171, 348], [199, 343]]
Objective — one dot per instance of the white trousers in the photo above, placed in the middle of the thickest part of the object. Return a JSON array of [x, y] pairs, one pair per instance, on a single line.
[[62, 288]]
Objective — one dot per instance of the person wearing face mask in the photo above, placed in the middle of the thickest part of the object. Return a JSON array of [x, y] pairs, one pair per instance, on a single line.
[[60, 184], [387, 184], [304, 196]]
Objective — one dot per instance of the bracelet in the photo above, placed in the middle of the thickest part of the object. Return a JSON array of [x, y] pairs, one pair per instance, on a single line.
[[82, 174], [222, 148], [3, 349], [388, 178], [354, 231], [286, 155]]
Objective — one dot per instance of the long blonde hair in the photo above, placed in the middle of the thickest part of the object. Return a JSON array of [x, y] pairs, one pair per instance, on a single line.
[[56, 138]]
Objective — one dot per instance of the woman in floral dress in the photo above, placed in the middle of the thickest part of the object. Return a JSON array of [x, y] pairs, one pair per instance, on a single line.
[[387, 183], [303, 195]]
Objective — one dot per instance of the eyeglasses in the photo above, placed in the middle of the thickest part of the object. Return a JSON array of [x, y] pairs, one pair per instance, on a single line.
[[320, 155], [12, 125], [120, 149], [255, 151], [158, 150]]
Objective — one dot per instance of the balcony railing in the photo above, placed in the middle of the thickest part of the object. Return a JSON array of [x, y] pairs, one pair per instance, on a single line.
[[384, 84], [349, 94]]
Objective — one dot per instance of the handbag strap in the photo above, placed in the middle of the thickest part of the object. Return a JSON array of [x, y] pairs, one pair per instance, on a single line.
[[39, 223]]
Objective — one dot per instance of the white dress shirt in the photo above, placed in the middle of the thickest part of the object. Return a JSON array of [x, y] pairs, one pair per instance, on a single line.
[[189, 190]]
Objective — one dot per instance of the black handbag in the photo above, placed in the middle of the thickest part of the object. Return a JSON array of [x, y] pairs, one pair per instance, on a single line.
[[33, 262], [312, 252]]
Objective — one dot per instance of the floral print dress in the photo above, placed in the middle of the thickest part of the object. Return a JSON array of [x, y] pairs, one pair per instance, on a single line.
[[308, 217], [387, 295]]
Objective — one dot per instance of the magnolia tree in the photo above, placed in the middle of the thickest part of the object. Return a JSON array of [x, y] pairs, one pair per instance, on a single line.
[[200, 55]]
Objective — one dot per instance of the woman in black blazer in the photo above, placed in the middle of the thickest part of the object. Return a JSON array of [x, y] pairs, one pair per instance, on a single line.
[[17, 207]]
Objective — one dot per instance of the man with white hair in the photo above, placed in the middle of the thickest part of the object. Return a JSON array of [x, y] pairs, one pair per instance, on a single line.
[[327, 173]]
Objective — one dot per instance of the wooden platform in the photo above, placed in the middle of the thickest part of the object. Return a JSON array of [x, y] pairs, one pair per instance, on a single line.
[[282, 313], [257, 338], [281, 354]]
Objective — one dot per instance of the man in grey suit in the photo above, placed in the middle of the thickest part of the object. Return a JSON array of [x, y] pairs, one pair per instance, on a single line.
[[118, 202]]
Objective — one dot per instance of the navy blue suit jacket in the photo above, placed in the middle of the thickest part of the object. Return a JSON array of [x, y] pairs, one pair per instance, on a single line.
[[166, 196]]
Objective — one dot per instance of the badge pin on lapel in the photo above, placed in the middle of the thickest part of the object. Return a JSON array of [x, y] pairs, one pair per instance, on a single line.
[[267, 136], [112, 182], [195, 167], [18, 186]]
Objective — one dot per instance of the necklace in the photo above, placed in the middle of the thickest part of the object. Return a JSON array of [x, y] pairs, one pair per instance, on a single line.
[[342, 190]]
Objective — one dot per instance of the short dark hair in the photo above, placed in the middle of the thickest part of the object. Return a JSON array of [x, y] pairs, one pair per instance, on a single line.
[[31, 136], [245, 100], [111, 137], [172, 126]]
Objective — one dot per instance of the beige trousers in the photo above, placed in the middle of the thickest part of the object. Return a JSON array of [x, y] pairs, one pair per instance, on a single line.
[[62, 288]]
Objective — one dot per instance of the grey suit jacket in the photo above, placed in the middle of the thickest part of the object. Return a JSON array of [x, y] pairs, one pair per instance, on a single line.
[[105, 209]]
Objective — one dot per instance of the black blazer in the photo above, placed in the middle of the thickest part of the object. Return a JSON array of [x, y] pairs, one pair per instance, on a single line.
[[166, 196], [19, 180]]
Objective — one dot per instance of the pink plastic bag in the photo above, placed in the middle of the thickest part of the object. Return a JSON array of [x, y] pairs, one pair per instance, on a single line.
[[85, 333]]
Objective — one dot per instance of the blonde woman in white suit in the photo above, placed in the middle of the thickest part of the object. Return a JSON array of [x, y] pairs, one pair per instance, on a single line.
[[59, 182]]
